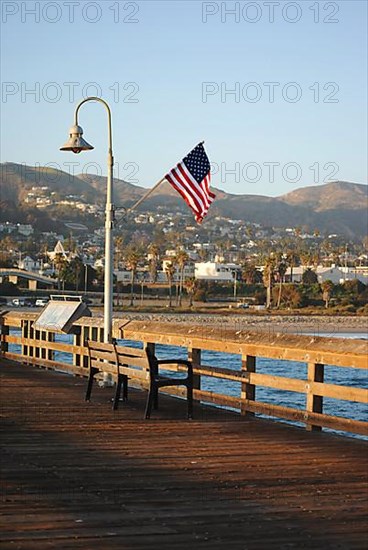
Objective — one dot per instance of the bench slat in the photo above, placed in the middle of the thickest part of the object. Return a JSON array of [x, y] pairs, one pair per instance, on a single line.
[[103, 355], [134, 373], [134, 352], [100, 346], [126, 361], [102, 365]]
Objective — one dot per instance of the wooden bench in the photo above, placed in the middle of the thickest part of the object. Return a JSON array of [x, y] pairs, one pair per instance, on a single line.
[[128, 362]]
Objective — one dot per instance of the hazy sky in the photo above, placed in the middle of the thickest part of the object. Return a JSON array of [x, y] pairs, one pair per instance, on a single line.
[[276, 89]]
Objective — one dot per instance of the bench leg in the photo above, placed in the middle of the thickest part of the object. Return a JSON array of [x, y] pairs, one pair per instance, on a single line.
[[115, 402], [92, 373], [122, 381], [155, 398], [125, 388], [190, 401], [149, 403]]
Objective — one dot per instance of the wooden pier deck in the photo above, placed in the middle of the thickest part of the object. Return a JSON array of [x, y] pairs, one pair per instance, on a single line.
[[80, 476]]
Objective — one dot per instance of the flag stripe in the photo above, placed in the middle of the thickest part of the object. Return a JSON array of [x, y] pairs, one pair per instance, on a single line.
[[190, 198], [197, 189], [179, 189], [192, 186], [206, 182]]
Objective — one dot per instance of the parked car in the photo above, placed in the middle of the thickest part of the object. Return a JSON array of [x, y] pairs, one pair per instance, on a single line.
[[41, 302], [18, 302]]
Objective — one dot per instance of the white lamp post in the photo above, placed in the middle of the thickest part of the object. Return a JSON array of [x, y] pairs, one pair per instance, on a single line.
[[76, 144]]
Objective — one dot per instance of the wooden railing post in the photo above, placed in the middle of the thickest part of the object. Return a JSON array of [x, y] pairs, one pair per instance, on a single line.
[[77, 342], [4, 329], [50, 352], [43, 349], [194, 355], [248, 391], [24, 331], [314, 403], [31, 336]]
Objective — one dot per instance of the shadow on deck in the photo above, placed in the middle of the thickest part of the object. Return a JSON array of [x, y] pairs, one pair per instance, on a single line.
[[77, 475]]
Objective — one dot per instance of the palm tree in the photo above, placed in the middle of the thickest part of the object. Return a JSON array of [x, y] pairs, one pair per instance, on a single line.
[[132, 260], [268, 277], [119, 252], [281, 270], [154, 251], [119, 244], [250, 274], [72, 273], [291, 259], [190, 286], [169, 271], [181, 259], [327, 287], [306, 258], [59, 263], [315, 258]]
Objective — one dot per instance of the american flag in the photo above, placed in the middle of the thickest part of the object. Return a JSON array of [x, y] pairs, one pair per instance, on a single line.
[[191, 178]]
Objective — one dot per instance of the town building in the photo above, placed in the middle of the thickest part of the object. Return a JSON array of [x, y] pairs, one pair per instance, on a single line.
[[214, 271]]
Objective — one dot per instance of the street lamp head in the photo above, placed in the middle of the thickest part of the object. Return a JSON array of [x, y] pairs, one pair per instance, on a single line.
[[76, 143]]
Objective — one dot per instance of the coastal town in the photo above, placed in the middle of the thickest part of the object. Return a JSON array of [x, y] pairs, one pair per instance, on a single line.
[[162, 254]]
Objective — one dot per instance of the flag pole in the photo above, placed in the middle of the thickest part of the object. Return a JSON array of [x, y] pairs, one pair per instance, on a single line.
[[146, 195]]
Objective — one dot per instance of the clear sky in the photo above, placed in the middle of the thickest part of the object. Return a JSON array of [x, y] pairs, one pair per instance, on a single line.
[[297, 70]]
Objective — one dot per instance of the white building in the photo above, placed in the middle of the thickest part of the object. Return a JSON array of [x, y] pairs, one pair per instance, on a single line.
[[337, 275], [214, 271], [29, 264]]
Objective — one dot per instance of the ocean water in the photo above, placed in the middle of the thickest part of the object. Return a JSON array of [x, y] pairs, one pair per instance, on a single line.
[[292, 369]]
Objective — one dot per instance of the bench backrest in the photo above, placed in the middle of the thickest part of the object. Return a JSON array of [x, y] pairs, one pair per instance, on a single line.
[[101, 353], [133, 362]]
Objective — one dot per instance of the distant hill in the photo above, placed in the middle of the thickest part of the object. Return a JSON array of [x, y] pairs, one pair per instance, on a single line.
[[337, 207], [17, 180], [331, 196]]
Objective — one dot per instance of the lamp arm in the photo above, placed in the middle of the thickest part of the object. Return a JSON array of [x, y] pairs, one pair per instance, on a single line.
[[99, 99]]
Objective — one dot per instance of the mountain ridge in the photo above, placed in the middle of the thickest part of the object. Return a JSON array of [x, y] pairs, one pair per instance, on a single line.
[[334, 207]]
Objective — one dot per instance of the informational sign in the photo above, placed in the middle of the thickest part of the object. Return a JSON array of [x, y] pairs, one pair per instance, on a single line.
[[60, 314]]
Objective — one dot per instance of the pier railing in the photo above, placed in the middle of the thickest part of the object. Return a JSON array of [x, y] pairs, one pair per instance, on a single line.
[[22, 343]]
